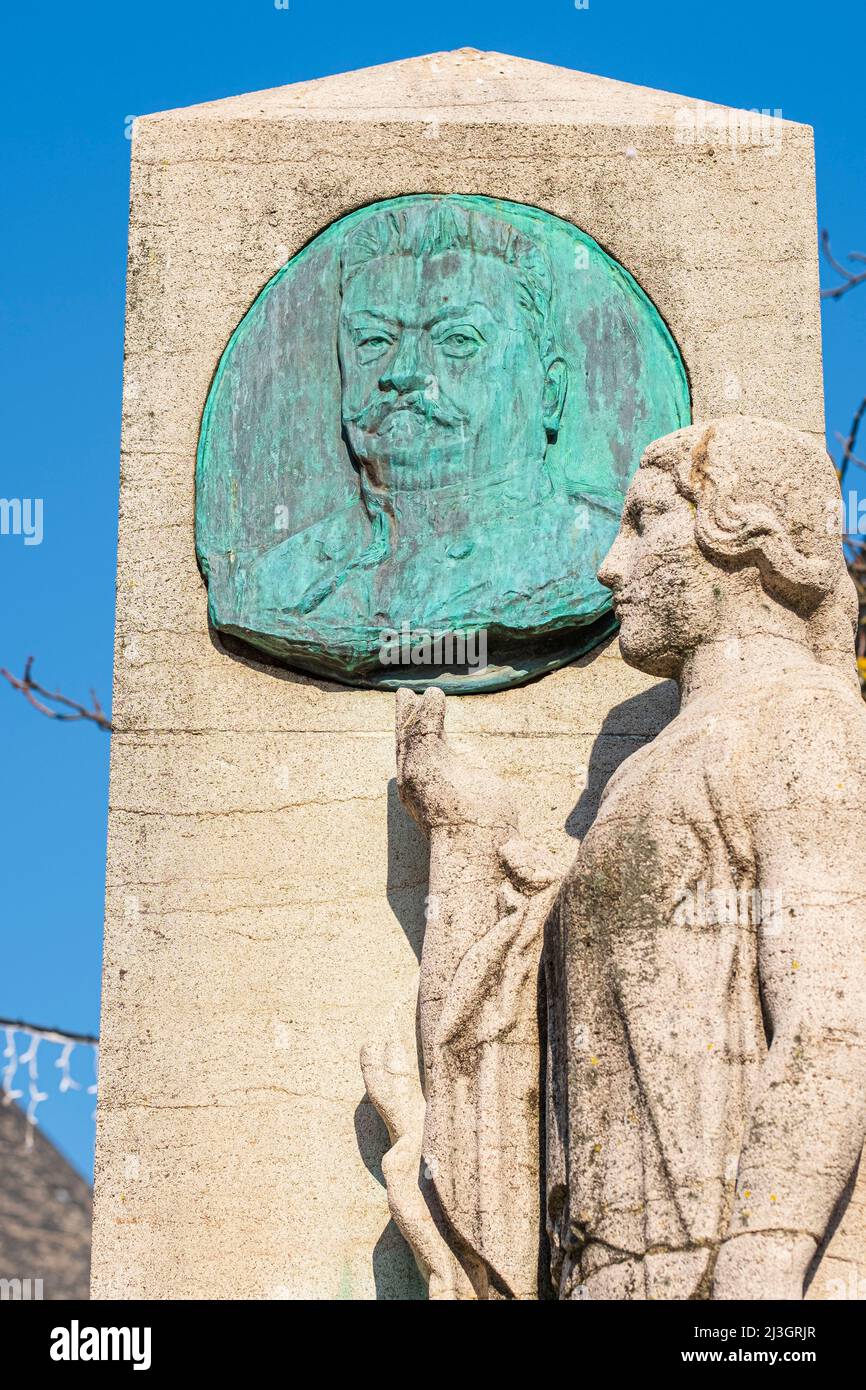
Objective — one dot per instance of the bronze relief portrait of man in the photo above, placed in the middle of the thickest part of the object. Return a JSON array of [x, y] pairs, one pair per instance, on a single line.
[[419, 439]]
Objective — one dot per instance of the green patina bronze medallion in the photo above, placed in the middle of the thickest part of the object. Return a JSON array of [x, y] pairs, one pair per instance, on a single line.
[[414, 453]]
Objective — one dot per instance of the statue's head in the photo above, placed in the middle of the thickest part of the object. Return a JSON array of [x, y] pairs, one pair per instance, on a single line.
[[722, 524], [448, 352]]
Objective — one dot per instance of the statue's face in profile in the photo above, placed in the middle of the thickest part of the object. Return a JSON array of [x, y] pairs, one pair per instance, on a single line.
[[665, 590], [442, 380]]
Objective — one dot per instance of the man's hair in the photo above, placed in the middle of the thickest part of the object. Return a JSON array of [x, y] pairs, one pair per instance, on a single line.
[[437, 225], [767, 495]]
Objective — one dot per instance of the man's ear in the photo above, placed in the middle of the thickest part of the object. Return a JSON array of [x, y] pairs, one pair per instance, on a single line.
[[553, 399]]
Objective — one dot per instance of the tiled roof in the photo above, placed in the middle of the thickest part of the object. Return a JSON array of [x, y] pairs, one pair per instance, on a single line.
[[45, 1209]]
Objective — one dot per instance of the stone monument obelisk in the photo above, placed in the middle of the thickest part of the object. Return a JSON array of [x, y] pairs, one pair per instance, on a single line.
[[265, 900]]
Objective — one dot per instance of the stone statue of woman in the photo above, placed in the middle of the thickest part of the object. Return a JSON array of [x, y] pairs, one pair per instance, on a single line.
[[648, 1080]]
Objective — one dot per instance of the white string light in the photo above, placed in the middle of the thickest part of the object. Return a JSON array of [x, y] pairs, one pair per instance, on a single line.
[[10, 1052], [66, 1081], [30, 1060]]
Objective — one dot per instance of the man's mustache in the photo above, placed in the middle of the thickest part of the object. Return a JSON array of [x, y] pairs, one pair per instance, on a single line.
[[372, 416]]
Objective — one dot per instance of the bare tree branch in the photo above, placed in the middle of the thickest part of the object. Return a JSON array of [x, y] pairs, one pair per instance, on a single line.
[[849, 278], [71, 710], [848, 455]]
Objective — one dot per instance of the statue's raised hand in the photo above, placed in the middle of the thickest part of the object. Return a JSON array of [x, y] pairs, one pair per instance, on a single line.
[[438, 786]]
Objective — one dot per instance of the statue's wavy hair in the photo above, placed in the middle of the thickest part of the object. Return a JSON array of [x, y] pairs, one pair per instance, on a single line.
[[434, 226], [767, 495]]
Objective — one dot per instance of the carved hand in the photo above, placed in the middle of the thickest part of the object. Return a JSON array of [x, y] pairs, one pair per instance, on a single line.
[[437, 786]]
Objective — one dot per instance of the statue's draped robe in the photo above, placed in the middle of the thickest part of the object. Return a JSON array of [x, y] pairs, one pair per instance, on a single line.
[[481, 1133], [655, 1028], [652, 1031]]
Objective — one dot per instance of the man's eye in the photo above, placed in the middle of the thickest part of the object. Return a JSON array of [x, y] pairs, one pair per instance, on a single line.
[[460, 343], [372, 345]]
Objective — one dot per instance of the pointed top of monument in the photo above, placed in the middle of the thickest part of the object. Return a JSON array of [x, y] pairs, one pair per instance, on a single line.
[[464, 85]]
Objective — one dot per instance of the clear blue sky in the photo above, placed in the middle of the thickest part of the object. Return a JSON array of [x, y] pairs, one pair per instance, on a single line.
[[73, 74]]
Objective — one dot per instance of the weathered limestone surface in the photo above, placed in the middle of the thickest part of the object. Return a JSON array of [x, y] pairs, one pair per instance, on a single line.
[[265, 896]]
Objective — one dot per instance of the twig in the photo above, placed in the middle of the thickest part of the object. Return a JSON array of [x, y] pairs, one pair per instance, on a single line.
[[848, 455], [30, 689], [851, 281]]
